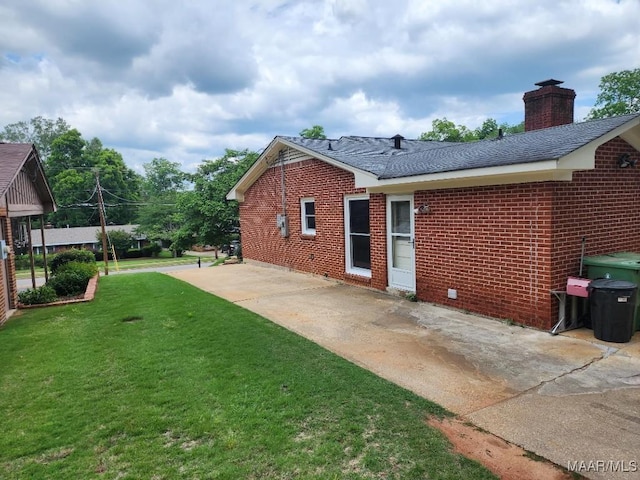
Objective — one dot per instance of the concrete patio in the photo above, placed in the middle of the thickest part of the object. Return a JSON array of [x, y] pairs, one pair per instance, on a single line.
[[569, 398]]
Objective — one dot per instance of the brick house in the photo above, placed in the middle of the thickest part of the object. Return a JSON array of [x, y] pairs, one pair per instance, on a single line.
[[491, 226], [24, 192]]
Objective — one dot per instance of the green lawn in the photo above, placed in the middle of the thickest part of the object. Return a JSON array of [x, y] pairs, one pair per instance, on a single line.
[[130, 264], [156, 379]]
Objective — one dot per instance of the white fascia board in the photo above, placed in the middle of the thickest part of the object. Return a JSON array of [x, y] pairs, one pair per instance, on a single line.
[[518, 173], [632, 136], [584, 158]]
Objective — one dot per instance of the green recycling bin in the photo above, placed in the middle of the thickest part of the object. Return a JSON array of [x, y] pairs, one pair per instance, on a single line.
[[617, 266]]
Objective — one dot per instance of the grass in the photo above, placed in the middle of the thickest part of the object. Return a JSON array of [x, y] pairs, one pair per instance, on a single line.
[[128, 264], [156, 379]]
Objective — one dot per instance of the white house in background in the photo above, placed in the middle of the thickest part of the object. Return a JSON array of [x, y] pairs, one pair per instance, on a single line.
[[58, 239]]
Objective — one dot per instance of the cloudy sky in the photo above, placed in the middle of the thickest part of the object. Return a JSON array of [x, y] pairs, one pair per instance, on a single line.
[[185, 80]]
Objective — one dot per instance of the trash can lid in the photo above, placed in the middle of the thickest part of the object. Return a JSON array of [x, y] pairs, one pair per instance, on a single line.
[[623, 260], [611, 284]]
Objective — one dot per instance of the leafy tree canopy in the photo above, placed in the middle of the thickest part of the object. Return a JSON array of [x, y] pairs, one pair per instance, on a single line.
[[619, 94], [162, 176], [119, 239], [443, 130], [317, 131], [162, 185], [39, 131], [71, 169], [209, 218]]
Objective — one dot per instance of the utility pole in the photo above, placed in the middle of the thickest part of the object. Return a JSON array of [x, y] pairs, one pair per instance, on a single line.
[[105, 252]]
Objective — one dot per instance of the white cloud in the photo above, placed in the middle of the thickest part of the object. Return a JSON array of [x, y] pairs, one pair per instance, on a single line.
[[187, 80]]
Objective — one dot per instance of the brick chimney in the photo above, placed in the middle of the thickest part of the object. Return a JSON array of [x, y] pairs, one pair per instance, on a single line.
[[548, 106]]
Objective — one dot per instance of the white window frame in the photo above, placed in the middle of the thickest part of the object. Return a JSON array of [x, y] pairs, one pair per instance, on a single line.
[[304, 228], [362, 272]]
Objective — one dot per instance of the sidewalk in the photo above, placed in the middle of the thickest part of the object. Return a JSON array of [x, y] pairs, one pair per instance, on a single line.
[[568, 398]]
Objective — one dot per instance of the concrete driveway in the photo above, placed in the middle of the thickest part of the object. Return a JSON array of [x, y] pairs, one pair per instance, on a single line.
[[569, 398]]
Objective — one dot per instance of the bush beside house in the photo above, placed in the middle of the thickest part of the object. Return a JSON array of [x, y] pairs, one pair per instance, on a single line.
[[71, 271]]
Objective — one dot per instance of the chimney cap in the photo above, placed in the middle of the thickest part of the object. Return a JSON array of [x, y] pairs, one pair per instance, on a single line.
[[549, 83]]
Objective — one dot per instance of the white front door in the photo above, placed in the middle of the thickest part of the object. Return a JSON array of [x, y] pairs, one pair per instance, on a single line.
[[400, 242]]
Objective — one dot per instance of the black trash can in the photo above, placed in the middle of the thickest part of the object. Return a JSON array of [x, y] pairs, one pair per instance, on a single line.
[[612, 304]]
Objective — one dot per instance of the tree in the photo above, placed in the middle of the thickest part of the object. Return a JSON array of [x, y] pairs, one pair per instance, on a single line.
[[71, 168], [619, 94], [208, 217], [317, 131], [162, 184], [444, 130], [40, 131], [119, 239]]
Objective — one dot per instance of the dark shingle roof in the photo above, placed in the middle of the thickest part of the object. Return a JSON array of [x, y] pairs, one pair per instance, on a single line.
[[12, 157], [379, 157]]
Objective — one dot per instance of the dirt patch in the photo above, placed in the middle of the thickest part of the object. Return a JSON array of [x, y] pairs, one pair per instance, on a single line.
[[507, 461]]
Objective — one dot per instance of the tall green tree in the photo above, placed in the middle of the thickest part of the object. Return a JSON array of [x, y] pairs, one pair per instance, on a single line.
[[119, 239], [39, 131], [162, 185], [619, 94], [209, 218], [443, 130], [71, 169], [317, 131]]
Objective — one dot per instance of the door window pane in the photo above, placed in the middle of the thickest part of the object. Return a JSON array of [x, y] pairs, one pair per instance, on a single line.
[[402, 252], [401, 217]]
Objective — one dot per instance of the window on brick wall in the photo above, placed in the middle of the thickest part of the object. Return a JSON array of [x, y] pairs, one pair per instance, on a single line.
[[308, 220], [358, 236]]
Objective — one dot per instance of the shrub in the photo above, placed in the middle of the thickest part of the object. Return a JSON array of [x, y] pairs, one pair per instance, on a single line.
[[72, 278], [24, 263], [151, 250], [38, 296], [86, 269], [72, 255], [68, 284], [134, 253]]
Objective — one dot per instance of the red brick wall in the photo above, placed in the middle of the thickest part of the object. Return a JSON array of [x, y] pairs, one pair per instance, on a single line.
[[602, 205], [492, 245], [503, 248], [322, 254]]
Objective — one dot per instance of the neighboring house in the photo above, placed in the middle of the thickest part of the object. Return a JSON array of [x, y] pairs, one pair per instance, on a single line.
[[491, 227], [24, 192], [59, 239]]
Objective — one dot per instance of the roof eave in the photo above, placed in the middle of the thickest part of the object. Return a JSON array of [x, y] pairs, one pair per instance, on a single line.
[[556, 169], [546, 170], [272, 150]]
